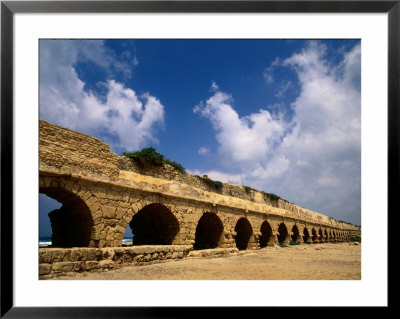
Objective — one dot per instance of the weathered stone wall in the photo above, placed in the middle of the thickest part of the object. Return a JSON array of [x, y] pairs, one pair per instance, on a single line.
[[54, 262], [73, 152], [106, 205], [167, 172]]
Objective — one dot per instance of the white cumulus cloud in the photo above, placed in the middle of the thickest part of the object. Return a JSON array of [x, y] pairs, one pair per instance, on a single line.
[[219, 176], [128, 119], [241, 140], [313, 159]]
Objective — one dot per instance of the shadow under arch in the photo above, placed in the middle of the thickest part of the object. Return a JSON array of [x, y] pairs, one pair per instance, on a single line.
[[295, 236], [283, 233], [243, 230], [314, 235], [266, 233], [306, 234], [321, 235], [154, 224], [71, 224], [208, 231]]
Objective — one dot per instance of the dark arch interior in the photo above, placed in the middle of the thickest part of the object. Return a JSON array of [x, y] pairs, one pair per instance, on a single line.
[[320, 234], [154, 225], [326, 234], [295, 234], [243, 231], [306, 235], [208, 231], [71, 223], [266, 233], [314, 235], [283, 233]]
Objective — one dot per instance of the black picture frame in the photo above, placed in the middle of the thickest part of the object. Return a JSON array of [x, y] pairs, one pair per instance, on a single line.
[[9, 8]]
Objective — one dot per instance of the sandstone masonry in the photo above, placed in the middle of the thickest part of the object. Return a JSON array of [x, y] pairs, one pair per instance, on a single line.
[[102, 194]]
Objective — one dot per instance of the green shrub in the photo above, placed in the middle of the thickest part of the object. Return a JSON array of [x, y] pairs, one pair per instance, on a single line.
[[175, 165], [273, 196], [292, 242], [282, 245], [248, 189], [150, 155], [218, 184]]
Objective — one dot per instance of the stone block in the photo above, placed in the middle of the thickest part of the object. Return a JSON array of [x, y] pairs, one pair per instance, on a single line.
[[175, 255], [62, 267], [138, 258], [91, 265], [107, 264], [155, 256], [108, 212], [58, 255], [78, 266], [44, 269], [45, 255], [76, 255]]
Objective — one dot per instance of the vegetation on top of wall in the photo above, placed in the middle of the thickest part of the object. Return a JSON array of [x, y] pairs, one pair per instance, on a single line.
[[273, 196], [150, 155], [216, 184]]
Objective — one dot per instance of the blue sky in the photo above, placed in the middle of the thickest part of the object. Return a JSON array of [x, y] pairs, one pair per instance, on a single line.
[[283, 116]]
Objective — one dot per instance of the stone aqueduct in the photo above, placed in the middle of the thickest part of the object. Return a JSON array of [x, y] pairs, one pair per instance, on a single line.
[[100, 200]]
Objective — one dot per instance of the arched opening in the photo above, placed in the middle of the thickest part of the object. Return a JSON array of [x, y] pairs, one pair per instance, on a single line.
[[321, 236], [326, 235], [243, 231], [283, 233], [266, 233], [314, 235], [71, 223], [208, 231], [154, 224], [306, 235], [295, 233], [46, 205]]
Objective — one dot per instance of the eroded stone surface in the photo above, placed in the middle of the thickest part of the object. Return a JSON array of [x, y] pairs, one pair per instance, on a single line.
[[102, 194]]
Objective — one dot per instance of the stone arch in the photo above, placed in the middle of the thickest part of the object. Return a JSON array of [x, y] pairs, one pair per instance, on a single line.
[[314, 235], [72, 223], [295, 233], [306, 235], [266, 234], [209, 231], [283, 233], [154, 224], [244, 231]]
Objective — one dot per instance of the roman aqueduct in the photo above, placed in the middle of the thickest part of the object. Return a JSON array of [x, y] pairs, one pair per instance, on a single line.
[[101, 194]]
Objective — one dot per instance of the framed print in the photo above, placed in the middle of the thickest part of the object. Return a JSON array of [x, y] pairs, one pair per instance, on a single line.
[[249, 88]]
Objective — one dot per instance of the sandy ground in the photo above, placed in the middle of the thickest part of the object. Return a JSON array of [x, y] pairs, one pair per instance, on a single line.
[[302, 262]]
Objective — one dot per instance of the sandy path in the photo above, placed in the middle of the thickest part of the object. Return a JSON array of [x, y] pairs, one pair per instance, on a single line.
[[302, 262]]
